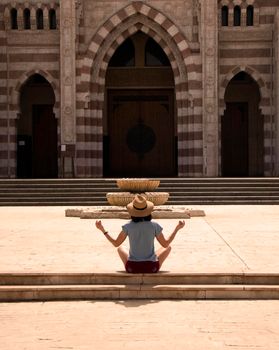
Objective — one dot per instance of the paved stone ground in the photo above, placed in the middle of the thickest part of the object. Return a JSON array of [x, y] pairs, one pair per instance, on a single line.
[[140, 325], [228, 239]]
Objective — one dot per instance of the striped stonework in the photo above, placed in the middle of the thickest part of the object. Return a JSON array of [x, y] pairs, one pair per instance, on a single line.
[[250, 49], [91, 87], [24, 53], [276, 84], [197, 62], [265, 107], [5, 151], [14, 107]]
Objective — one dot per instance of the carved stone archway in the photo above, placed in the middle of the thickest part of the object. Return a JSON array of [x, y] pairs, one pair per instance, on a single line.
[[264, 106], [135, 17], [14, 111]]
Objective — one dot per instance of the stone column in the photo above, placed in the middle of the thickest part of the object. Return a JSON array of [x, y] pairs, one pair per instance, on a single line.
[[209, 48], [5, 25], [67, 82], [276, 78]]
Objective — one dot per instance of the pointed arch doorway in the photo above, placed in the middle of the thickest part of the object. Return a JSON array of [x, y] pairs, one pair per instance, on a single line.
[[242, 129], [139, 128], [37, 155]]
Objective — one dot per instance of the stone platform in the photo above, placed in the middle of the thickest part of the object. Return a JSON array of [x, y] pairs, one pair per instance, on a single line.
[[229, 239], [116, 212]]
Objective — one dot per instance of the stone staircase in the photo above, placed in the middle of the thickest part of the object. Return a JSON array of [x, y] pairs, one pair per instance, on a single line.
[[183, 191], [121, 286]]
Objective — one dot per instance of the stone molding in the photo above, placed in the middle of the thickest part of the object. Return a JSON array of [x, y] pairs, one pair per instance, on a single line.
[[254, 74], [121, 25], [209, 35], [68, 71], [16, 90], [276, 63]]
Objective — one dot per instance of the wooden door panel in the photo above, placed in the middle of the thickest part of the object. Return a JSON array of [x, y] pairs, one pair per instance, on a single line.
[[161, 157], [122, 160], [141, 134], [44, 142], [235, 140]]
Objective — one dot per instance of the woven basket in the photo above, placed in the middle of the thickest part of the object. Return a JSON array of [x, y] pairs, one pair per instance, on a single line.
[[137, 185], [120, 199], [157, 198]]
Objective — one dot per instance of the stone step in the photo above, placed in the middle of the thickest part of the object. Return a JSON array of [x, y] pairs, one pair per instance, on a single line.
[[172, 198], [74, 203], [52, 194], [183, 191], [37, 202], [174, 190], [119, 286], [163, 182], [133, 291], [14, 279], [166, 188]]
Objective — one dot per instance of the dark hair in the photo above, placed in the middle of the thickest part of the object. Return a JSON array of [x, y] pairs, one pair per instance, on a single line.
[[138, 219]]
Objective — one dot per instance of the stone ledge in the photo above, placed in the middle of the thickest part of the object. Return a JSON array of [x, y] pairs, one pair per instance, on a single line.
[[169, 278], [113, 212], [116, 292]]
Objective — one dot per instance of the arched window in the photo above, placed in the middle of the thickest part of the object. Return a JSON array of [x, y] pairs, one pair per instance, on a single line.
[[225, 16], [52, 19], [40, 19], [237, 16], [26, 19], [154, 54], [14, 19], [250, 15], [124, 55]]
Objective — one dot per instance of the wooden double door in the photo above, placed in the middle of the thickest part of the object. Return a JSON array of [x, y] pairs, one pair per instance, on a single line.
[[242, 140], [235, 140], [141, 136], [45, 154], [242, 129], [37, 155]]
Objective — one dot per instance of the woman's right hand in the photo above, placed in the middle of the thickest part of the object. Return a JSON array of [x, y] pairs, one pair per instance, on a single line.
[[180, 225]]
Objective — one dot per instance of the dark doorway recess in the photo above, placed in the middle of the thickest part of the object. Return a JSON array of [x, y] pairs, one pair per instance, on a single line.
[[37, 151], [44, 142], [242, 129], [235, 140]]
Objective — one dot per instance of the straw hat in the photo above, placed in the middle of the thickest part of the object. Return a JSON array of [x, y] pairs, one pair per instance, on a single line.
[[140, 207]]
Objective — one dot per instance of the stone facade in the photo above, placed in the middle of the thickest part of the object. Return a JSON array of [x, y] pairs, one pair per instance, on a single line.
[[70, 44]]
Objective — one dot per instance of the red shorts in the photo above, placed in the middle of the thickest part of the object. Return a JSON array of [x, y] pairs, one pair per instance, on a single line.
[[142, 266]]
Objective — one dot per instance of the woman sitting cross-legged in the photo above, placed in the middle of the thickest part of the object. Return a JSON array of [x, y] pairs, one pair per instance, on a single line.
[[142, 231]]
